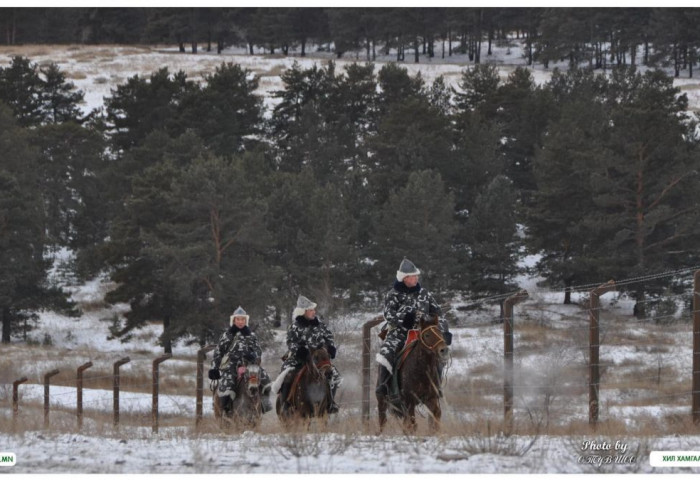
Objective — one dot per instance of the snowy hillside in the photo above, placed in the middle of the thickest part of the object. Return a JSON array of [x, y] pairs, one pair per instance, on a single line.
[[645, 388]]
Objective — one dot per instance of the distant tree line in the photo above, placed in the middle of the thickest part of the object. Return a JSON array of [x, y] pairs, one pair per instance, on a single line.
[[600, 37], [194, 199]]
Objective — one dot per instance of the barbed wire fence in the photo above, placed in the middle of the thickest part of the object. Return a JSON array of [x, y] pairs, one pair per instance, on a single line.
[[544, 387]]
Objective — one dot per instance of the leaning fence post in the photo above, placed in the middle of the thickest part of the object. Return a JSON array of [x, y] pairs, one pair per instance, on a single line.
[[79, 388], [46, 396], [115, 387], [696, 348], [154, 411], [15, 401], [508, 354], [594, 351], [201, 356], [366, 360]]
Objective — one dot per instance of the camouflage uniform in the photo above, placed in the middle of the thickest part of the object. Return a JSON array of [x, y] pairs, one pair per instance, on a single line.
[[237, 343], [312, 334], [398, 302]]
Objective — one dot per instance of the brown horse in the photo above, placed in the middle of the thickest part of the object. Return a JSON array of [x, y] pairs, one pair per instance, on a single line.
[[310, 392], [418, 379], [246, 408]]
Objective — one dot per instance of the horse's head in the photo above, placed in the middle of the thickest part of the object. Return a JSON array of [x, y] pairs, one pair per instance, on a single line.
[[251, 376], [431, 336], [320, 357]]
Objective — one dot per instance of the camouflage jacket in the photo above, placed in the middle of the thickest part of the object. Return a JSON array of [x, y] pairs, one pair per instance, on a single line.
[[236, 343], [400, 299], [312, 333]]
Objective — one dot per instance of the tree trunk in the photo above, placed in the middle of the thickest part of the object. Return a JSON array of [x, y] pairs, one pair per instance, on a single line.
[[182, 47], [639, 308], [166, 338], [250, 48], [303, 47], [416, 45], [646, 52], [449, 42], [194, 47], [6, 328]]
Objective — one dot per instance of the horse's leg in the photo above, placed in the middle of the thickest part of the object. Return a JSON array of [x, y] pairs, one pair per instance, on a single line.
[[381, 410], [435, 414], [217, 406], [409, 421]]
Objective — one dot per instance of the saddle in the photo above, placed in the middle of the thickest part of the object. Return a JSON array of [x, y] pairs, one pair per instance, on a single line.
[[295, 384], [297, 380], [409, 345]]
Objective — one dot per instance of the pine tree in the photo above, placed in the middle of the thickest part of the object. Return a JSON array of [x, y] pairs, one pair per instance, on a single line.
[[646, 185], [59, 100], [23, 283], [562, 170], [225, 113], [492, 239], [141, 106], [417, 221], [212, 246], [70, 169], [20, 89]]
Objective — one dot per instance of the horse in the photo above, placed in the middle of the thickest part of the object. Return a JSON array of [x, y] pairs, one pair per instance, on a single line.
[[310, 392], [418, 378], [245, 410]]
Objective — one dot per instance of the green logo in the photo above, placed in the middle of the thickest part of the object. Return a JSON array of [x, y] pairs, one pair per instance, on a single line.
[[7, 459]]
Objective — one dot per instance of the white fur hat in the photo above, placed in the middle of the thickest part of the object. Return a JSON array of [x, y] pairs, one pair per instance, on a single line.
[[303, 304], [405, 269], [239, 312]]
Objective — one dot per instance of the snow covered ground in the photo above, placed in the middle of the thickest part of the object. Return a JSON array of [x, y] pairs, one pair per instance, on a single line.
[[473, 397], [645, 390]]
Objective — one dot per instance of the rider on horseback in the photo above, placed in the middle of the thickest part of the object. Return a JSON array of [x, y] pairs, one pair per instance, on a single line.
[[238, 346], [305, 334], [403, 306]]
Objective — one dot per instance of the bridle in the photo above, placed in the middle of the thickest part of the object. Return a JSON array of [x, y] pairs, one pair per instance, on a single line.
[[439, 340]]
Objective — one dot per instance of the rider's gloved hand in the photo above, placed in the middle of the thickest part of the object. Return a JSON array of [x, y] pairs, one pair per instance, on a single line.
[[250, 357], [409, 319], [302, 353], [214, 374], [447, 336], [331, 351]]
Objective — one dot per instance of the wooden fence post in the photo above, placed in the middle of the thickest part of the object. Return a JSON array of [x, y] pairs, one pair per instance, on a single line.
[[79, 388], [201, 356], [594, 352], [46, 396], [154, 410], [116, 386], [15, 401], [366, 363], [508, 355], [696, 348]]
